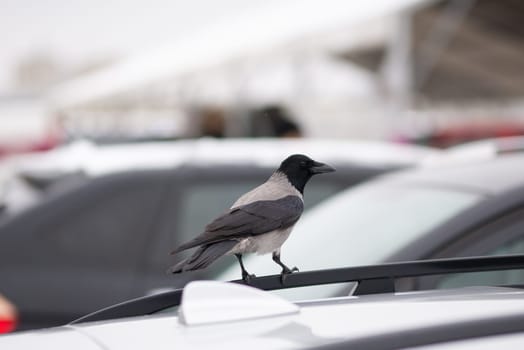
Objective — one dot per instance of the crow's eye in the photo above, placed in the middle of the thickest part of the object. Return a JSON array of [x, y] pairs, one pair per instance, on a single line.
[[303, 164]]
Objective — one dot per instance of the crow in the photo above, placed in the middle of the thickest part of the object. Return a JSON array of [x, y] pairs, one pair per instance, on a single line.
[[259, 222]]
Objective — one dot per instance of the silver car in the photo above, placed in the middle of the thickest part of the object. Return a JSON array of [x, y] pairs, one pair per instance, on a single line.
[[463, 208]]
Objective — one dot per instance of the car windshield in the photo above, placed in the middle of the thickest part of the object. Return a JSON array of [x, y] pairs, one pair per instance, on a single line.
[[363, 225]]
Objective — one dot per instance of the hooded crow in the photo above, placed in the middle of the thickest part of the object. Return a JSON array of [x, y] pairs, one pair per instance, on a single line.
[[259, 222]]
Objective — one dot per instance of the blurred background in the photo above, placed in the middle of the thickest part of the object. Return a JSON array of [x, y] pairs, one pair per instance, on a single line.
[[112, 111], [430, 72]]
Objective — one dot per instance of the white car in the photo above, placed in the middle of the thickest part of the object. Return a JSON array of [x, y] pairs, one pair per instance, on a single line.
[[211, 315]]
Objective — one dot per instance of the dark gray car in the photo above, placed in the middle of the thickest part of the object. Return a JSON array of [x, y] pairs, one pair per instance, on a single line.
[[95, 241]]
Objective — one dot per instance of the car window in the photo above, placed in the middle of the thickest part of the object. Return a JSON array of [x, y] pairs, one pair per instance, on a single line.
[[362, 225], [501, 234], [105, 223], [200, 204], [112, 229], [509, 277], [196, 200]]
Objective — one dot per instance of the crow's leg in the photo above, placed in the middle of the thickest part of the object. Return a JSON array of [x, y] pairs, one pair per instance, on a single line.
[[245, 275], [285, 270]]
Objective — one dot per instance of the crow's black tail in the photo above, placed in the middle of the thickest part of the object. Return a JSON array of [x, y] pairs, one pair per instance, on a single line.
[[203, 256]]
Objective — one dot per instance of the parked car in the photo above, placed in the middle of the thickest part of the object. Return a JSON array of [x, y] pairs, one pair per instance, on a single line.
[[453, 209], [467, 132], [24, 180], [211, 314], [103, 220], [476, 151]]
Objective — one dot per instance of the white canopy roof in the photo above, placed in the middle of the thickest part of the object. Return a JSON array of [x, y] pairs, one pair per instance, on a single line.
[[280, 26]]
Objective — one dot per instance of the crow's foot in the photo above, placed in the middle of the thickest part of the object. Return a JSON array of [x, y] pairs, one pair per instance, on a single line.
[[246, 277], [285, 272]]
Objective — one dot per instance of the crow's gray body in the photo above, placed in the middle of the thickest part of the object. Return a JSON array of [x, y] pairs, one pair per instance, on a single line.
[[260, 221], [276, 188]]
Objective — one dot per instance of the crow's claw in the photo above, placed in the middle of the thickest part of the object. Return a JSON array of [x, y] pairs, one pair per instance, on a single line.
[[246, 277], [285, 272]]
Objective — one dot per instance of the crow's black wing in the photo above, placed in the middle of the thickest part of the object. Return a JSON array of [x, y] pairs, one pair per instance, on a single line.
[[250, 220], [258, 217]]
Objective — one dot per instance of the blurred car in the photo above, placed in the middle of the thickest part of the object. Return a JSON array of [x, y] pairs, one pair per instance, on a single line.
[[210, 314], [103, 220], [453, 209], [8, 316], [476, 151], [467, 132], [25, 179]]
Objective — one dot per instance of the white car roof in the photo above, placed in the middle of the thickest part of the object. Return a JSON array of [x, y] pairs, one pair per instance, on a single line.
[[95, 159], [315, 323]]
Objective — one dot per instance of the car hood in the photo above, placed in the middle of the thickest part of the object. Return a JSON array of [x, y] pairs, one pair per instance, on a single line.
[[318, 322]]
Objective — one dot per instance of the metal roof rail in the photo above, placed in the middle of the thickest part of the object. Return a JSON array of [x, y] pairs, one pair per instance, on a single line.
[[371, 279]]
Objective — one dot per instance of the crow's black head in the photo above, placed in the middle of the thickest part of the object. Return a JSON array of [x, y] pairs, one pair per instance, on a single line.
[[299, 168]]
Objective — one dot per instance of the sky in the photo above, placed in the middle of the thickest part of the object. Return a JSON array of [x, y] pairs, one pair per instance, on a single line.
[[73, 31]]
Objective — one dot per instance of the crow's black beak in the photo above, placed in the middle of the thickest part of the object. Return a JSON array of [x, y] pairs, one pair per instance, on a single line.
[[320, 168]]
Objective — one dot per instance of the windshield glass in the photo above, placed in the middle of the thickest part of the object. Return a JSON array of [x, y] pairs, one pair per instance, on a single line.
[[360, 226]]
